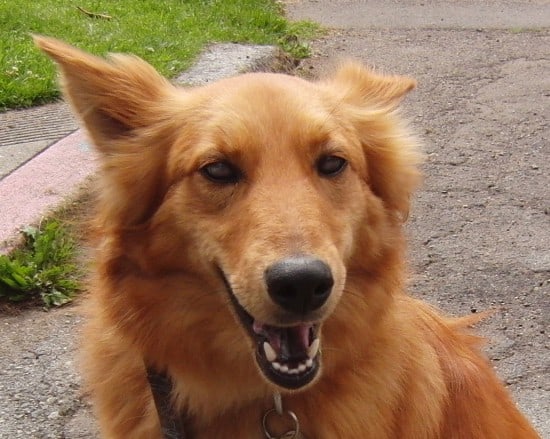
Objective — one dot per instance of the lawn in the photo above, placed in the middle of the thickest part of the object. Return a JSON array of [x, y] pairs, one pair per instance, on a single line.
[[168, 34]]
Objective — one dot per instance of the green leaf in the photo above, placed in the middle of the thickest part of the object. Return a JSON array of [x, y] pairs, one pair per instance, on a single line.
[[43, 265]]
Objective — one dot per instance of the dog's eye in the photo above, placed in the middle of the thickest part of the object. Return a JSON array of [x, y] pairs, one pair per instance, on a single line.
[[331, 165], [221, 172]]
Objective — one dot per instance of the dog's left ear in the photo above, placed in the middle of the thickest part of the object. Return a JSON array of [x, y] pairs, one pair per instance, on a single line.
[[370, 101], [118, 99], [361, 85], [112, 96]]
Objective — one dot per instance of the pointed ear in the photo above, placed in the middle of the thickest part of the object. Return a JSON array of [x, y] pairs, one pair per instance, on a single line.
[[360, 85], [391, 152], [111, 96], [122, 102]]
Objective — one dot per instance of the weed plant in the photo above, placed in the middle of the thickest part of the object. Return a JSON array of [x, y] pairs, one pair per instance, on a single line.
[[42, 267]]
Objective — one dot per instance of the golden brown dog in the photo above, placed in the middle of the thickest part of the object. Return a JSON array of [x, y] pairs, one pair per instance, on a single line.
[[251, 242]]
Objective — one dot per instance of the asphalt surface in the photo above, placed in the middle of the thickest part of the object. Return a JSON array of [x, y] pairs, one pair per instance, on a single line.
[[480, 227]]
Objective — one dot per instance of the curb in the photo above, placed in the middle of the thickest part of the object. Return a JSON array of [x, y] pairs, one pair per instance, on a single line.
[[54, 175]]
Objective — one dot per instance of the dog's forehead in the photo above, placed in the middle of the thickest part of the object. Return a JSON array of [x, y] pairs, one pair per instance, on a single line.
[[269, 107], [258, 82], [265, 118], [265, 95]]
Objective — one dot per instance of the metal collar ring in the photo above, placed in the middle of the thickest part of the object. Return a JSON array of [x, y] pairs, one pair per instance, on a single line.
[[291, 434]]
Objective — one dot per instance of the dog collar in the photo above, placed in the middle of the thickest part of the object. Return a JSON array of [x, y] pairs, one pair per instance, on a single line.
[[277, 410], [173, 425]]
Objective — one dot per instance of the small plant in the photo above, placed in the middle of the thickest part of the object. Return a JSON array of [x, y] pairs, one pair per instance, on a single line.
[[296, 32], [43, 266]]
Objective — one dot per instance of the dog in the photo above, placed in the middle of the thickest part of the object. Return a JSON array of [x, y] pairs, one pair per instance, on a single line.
[[251, 248]]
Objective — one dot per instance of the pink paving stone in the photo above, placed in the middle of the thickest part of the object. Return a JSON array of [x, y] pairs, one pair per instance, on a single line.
[[43, 183]]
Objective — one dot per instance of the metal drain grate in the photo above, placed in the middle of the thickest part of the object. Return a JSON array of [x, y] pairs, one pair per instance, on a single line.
[[46, 123]]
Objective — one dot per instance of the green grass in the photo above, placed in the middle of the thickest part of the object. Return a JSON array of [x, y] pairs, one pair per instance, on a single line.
[[43, 267], [168, 34]]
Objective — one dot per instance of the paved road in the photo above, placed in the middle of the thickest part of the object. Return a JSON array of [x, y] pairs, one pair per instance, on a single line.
[[399, 14], [480, 229]]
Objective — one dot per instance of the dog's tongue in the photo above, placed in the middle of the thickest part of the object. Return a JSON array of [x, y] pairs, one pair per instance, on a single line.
[[288, 342]]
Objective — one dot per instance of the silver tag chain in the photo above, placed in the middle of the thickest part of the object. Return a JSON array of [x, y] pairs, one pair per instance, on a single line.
[[277, 410]]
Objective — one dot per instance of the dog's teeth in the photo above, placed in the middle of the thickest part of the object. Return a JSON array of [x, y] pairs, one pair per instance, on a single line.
[[313, 349], [270, 353], [300, 368]]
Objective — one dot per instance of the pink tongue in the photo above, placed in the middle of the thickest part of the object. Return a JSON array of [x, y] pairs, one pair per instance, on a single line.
[[302, 335], [295, 338]]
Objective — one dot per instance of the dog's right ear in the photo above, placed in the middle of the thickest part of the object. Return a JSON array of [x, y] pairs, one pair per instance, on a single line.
[[112, 96], [391, 152]]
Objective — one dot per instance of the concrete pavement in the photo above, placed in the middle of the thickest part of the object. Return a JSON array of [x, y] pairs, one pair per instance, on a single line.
[[480, 226]]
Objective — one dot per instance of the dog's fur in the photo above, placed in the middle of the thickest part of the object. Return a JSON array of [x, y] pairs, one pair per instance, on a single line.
[[392, 367]]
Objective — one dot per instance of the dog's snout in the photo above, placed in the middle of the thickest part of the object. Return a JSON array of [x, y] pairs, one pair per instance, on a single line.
[[299, 284]]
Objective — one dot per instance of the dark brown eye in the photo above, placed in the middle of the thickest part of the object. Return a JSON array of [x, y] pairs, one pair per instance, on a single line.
[[221, 172], [331, 165]]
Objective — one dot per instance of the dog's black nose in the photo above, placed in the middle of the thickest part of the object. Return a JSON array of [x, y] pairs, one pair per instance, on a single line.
[[299, 284]]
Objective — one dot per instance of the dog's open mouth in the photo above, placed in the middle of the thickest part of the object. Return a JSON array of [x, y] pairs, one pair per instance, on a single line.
[[287, 355]]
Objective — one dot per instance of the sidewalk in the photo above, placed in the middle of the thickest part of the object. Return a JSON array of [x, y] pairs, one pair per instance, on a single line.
[[42, 166]]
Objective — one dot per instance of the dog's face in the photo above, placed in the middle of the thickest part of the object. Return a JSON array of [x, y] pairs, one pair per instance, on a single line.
[[276, 188], [273, 186]]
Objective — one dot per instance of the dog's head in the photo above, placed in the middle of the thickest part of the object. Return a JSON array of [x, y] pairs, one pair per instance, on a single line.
[[277, 187]]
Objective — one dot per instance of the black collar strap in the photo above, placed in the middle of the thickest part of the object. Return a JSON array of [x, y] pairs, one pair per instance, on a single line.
[[171, 423]]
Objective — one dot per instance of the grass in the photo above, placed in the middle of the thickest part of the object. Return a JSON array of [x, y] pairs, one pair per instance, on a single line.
[[168, 34], [42, 267], [48, 267]]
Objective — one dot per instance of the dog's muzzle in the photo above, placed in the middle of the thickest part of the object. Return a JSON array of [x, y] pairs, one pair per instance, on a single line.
[[289, 354]]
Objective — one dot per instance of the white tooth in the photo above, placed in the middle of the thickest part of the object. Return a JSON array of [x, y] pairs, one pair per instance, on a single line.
[[309, 363], [284, 368], [293, 371], [270, 353], [313, 349], [301, 367], [276, 365]]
